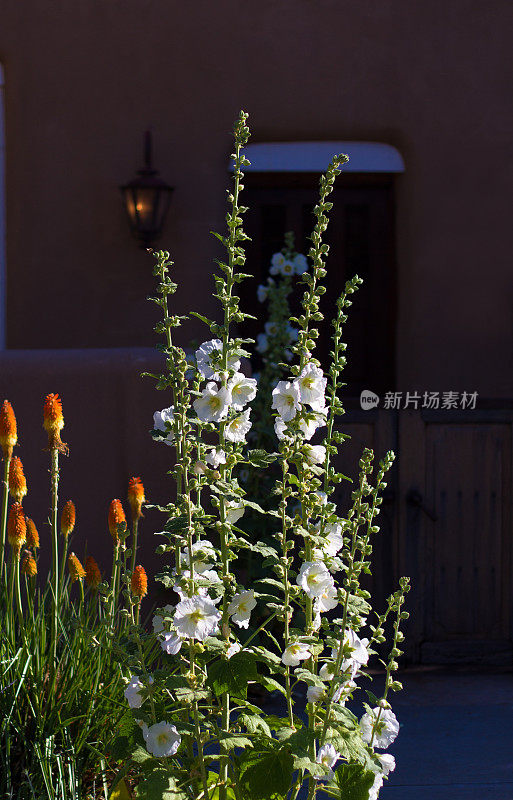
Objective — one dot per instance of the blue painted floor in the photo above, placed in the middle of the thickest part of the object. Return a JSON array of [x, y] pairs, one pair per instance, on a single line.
[[456, 737]]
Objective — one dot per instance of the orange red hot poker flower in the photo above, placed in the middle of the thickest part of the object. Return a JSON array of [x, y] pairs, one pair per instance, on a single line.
[[136, 496], [29, 566], [116, 517], [76, 570], [93, 574], [32, 534], [139, 582], [16, 529], [68, 518], [17, 481], [53, 421], [8, 429]]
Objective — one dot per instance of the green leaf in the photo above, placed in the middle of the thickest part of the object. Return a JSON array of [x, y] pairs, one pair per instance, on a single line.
[[260, 458], [159, 785], [231, 741], [266, 775], [354, 781], [232, 675]]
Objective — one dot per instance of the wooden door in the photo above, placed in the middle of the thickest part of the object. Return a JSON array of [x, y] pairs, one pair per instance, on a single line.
[[454, 534]]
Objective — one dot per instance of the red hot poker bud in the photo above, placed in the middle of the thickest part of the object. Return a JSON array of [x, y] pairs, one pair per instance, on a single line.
[[8, 429], [139, 582], [136, 496], [32, 534], [116, 517], [17, 482], [68, 518], [29, 566], [16, 529], [53, 422], [93, 574], [76, 570]]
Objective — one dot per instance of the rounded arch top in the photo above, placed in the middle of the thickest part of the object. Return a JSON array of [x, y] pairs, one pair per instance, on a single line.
[[316, 156]]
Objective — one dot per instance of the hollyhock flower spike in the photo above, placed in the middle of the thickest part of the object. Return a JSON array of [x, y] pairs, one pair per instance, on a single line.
[[8, 429], [17, 482]]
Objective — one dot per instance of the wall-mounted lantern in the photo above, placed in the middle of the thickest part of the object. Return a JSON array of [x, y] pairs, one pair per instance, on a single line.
[[146, 199]]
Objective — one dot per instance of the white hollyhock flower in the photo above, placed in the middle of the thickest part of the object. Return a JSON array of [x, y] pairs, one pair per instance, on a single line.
[[205, 357], [242, 390], [386, 727], [158, 621], [300, 264], [238, 427], [314, 578], [143, 726], [262, 343], [271, 329], [376, 786], [162, 739], [213, 404], [132, 692], [203, 552], [241, 607], [359, 652], [233, 649], [333, 541], [196, 618], [215, 457], [286, 400], [162, 420], [280, 429], [326, 601], [387, 763], [309, 424], [328, 757], [327, 671], [314, 453], [343, 691], [280, 265], [262, 292], [234, 511], [312, 385], [294, 653], [171, 643], [314, 694]]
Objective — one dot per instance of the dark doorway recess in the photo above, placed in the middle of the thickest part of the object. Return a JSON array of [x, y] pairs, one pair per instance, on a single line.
[[362, 241]]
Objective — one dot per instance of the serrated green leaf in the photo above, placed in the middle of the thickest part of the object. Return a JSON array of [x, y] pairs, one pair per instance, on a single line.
[[354, 781], [266, 775], [232, 675]]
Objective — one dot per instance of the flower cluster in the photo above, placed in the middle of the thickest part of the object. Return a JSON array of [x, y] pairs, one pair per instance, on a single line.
[[302, 623]]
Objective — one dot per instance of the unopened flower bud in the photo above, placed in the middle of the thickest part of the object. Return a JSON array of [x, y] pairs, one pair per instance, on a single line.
[[76, 570], [29, 566], [17, 482], [93, 574], [16, 529], [32, 534], [136, 497], [139, 582], [116, 517], [8, 430], [68, 518]]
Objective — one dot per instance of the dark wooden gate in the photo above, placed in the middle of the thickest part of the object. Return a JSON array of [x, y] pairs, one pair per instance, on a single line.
[[446, 522]]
